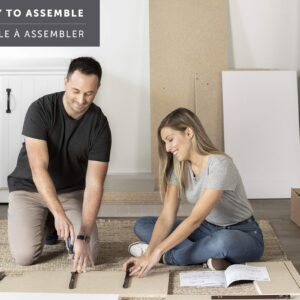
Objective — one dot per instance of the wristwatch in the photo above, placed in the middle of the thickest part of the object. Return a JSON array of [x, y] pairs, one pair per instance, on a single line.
[[82, 237]]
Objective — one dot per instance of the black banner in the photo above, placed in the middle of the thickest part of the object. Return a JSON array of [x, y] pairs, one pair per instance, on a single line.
[[38, 23]]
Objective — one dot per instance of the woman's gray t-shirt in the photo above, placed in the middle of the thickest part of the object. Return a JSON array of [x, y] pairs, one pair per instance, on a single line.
[[219, 173]]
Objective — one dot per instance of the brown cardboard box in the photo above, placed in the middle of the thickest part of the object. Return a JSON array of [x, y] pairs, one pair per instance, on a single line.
[[295, 206]]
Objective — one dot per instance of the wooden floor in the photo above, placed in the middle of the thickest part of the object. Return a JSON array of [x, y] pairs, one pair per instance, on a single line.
[[276, 211]]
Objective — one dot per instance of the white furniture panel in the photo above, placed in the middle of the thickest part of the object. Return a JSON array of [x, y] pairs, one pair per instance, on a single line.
[[261, 130]]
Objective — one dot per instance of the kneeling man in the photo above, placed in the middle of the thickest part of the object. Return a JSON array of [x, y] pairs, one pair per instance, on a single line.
[[61, 168]]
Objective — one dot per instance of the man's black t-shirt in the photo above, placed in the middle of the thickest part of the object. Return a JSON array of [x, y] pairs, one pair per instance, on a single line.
[[71, 143]]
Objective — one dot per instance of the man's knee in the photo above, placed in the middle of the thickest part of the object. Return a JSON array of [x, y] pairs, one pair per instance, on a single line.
[[26, 257]]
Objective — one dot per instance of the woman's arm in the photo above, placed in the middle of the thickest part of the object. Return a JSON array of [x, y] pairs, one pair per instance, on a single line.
[[162, 227], [166, 219], [200, 211], [202, 208]]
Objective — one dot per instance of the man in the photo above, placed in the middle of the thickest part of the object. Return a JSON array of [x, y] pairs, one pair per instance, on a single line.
[[61, 167]]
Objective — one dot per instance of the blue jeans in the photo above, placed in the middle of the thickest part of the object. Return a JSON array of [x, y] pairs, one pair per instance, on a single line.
[[237, 243]]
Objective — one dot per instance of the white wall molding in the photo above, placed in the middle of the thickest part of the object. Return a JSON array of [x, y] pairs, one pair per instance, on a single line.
[[23, 66]]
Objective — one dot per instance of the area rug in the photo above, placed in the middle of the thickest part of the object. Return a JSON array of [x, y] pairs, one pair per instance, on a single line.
[[115, 234]]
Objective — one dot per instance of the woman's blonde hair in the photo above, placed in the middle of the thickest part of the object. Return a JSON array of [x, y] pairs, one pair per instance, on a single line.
[[180, 119]]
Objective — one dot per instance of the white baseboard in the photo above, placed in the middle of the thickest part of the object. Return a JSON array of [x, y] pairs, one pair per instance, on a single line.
[[4, 196]]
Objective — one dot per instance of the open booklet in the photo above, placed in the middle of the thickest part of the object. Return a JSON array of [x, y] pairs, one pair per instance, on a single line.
[[232, 274]]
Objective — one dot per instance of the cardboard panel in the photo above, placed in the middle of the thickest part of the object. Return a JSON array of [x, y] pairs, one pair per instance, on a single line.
[[155, 284], [284, 278], [44, 296], [186, 37]]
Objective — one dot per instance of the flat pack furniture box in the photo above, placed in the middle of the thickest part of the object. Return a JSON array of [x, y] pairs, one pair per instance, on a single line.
[[295, 206]]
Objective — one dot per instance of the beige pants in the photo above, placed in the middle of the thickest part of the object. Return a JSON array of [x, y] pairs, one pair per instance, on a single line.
[[27, 213]]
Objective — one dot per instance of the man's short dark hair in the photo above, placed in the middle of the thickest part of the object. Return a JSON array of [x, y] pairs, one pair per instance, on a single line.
[[86, 65]]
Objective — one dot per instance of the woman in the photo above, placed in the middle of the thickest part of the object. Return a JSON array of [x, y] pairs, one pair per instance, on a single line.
[[220, 229]]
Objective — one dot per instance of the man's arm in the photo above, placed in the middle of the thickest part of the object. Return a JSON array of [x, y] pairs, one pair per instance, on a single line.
[[37, 152], [95, 176]]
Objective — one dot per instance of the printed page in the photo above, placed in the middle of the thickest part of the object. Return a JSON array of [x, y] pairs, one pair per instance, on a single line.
[[243, 272], [203, 279]]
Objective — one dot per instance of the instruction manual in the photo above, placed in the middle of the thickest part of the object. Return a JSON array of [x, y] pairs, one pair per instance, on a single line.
[[233, 273]]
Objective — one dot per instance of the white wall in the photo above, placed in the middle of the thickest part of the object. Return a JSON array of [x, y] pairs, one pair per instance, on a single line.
[[124, 94], [265, 34]]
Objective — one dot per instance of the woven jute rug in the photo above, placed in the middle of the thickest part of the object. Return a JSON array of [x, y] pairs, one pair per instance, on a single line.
[[115, 235]]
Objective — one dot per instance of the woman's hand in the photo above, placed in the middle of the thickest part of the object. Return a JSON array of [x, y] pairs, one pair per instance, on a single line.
[[142, 265]]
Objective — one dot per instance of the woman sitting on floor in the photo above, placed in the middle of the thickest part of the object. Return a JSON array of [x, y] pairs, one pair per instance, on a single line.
[[220, 229]]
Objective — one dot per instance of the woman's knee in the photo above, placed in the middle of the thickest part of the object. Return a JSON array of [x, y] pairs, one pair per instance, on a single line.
[[144, 226], [237, 246], [223, 240]]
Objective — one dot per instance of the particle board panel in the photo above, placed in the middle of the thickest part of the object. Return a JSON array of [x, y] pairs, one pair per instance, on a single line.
[[93, 282], [44, 296], [208, 105], [186, 38], [284, 278]]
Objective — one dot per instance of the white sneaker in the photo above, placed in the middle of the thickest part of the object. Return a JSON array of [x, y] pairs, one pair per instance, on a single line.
[[137, 249]]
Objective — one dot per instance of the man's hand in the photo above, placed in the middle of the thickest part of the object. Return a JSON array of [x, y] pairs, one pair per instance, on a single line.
[[64, 227], [82, 256]]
